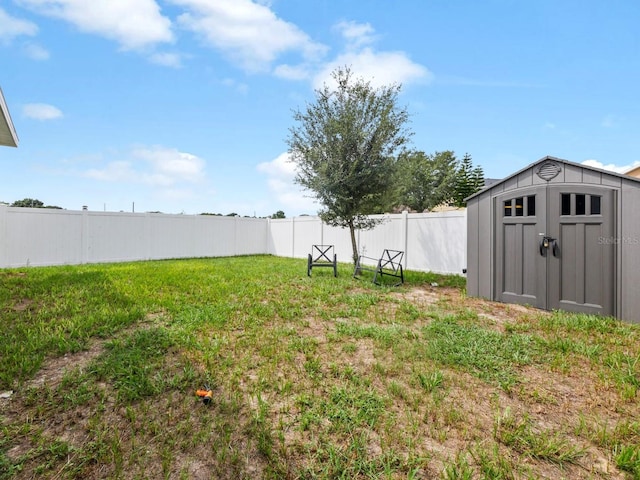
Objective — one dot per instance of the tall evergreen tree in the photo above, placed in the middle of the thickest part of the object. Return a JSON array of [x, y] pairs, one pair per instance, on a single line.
[[469, 180]]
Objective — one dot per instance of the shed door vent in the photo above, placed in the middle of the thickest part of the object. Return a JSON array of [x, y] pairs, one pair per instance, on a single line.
[[548, 170]]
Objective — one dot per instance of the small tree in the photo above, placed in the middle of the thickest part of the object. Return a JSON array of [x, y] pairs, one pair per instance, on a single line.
[[469, 180], [426, 181], [345, 145], [278, 214]]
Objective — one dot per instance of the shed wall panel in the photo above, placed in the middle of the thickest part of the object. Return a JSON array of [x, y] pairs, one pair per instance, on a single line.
[[525, 179], [629, 245], [572, 174], [590, 176], [485, 246], [559, 178], [536, 179], [472, 247], [611, 181], [510, 184]]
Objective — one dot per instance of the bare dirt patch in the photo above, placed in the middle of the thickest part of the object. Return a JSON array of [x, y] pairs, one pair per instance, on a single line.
[[54, 369]]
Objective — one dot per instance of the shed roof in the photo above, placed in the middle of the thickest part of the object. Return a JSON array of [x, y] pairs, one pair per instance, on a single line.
[[557, 160], [8, 136]]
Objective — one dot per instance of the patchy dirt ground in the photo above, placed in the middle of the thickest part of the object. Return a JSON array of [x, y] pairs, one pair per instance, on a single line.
[[251, 426]]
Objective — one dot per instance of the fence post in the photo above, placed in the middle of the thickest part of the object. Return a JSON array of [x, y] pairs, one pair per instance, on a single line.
[[3, 237], [405, 234], [293, 237], [235, 236], [84, 241]]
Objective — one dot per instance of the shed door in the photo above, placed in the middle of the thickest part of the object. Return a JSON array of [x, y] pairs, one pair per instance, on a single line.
[[555, 248], [581, 273], [520, 274]]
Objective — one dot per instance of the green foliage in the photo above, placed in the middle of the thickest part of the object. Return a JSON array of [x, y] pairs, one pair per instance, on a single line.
[[627, 458], [432, 381], [131, 364], [278, 214], [28, 202], [469, 180], [489, 355], [344, 410], [345, 145], [425, 181], [31, 203], [458, 469], [520, 435]]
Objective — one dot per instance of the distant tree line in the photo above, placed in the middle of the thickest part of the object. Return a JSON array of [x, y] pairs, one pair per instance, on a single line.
[[278, 214], [35, 203], [32, 203]]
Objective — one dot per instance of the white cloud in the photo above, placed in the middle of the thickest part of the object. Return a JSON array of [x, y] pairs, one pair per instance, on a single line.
[[298, 72], [41, 111], [610, 166], [249, 33], [11, 27], [291, 197], [380, 68], [170, 166], [36, 52], [113, 172], [156, 166], [239, 87], [133, 24], [356, 34], [173, 60]]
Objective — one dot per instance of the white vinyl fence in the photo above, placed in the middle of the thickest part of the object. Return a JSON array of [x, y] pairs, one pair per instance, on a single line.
[[39, 237], [435, 242]]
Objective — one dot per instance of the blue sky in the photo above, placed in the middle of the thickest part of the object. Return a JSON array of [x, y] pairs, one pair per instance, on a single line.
[[184, 106]]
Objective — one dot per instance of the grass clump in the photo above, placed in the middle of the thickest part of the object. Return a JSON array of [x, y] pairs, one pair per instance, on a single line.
[[132, 364], [519, 434], [490, 355]]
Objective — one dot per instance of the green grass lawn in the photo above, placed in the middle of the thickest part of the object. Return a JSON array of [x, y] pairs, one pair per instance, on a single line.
[[317, 377]]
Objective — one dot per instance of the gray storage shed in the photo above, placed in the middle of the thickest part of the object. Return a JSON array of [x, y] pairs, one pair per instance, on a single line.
[[557, 235]]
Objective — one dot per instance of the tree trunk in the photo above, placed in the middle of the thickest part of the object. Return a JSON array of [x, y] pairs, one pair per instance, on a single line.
[[354, 245]]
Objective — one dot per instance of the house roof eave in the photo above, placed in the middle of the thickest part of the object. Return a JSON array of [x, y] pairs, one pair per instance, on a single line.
[[8, 135]]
